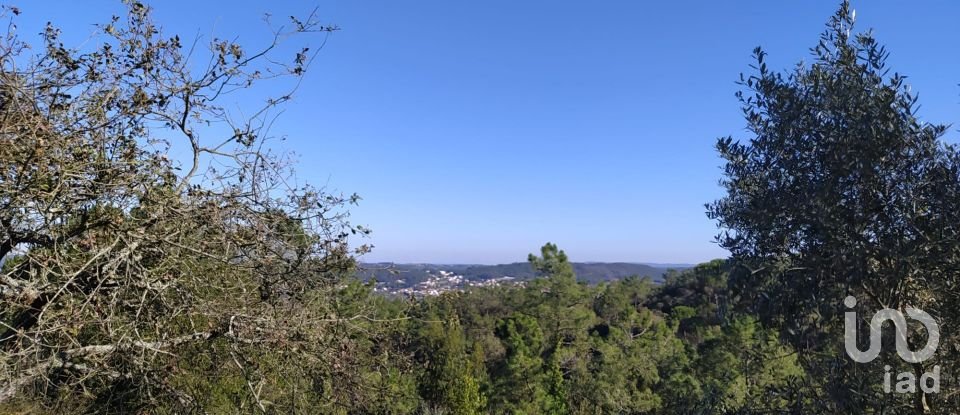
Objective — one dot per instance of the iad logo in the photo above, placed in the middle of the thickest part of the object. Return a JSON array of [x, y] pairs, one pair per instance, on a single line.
[[906, 381]]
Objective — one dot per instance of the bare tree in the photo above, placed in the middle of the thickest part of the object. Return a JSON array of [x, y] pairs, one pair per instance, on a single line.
[[117, 256]]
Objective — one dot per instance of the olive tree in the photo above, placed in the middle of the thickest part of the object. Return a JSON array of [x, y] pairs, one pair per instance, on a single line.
[[842, 190]]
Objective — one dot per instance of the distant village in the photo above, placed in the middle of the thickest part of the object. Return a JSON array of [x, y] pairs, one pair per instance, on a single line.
[[439, 282]]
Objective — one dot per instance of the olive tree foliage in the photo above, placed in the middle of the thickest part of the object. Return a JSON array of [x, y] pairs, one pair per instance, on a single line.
[[116, 253], [842, 190]]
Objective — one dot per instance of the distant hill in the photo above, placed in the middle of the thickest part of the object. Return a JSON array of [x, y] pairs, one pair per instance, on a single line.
[[401, 275]]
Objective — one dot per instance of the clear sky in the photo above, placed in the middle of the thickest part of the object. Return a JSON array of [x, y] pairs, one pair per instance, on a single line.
[[476, 131]]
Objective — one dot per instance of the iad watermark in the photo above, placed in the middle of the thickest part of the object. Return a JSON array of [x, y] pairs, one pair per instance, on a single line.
[[906, 381]]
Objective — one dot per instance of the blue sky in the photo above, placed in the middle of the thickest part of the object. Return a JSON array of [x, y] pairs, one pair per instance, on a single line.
[[476, 131]]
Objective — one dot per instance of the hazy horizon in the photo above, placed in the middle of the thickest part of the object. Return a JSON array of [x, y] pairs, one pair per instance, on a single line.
[[653, 264]]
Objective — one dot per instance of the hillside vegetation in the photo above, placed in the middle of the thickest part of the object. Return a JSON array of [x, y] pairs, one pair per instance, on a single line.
[[134, 281]]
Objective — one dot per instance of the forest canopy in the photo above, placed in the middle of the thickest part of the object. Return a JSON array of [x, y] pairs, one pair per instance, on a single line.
[[136, 281]]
